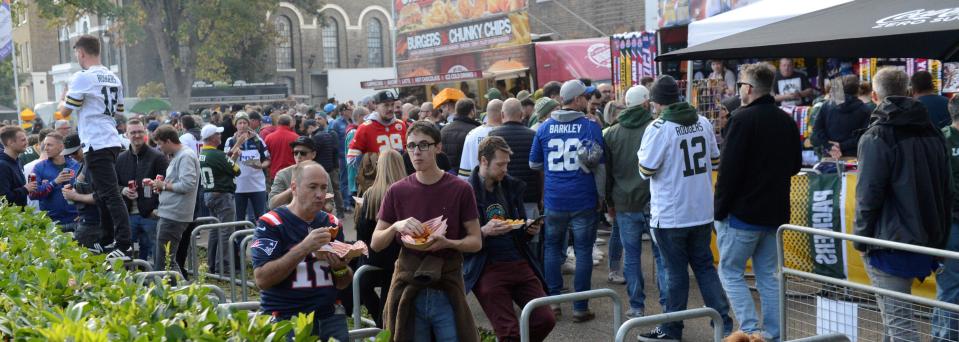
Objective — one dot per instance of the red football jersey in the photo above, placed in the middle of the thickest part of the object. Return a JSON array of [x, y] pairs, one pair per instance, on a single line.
[[373, 137]]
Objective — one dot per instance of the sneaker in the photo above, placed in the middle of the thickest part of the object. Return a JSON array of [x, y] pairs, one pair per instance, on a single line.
[[569, 267], [634, 313], [598, 254], [121, 254], [600, 241], [557, 310], [583, 316], [616, 277], [96, 248], [656, 335], [570, 253]]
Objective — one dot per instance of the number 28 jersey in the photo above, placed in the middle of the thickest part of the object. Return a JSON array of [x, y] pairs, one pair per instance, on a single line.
[[96, 94], [373, 137], [679, 161]]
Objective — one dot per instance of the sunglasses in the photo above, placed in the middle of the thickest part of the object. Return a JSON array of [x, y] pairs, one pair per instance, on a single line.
[[740, 84], [301, 153]]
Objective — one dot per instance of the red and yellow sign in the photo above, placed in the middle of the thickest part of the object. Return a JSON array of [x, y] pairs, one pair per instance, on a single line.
[[417, 15], [488, 33]]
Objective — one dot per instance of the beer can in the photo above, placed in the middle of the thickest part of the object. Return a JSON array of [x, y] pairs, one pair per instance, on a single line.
[[33, 177], [132, 184]]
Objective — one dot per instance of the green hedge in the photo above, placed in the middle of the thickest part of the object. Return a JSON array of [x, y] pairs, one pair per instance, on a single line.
[[51, 289]]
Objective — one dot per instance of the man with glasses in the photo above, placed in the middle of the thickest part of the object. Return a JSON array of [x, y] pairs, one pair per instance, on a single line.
[[217, 178], [134, 165], [304, 150], [434, 304]]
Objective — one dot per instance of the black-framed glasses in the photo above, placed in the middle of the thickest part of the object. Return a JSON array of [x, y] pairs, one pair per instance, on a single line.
[[740, 84], [301, 153], [423, 146]]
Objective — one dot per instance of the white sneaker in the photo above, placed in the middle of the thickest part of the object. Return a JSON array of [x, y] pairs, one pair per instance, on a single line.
[[570, 253], [616, 277], [569, 267], [600, 241], [597, 254]]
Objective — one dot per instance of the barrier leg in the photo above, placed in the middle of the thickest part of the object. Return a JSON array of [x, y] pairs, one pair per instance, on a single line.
[[570, 297], [357, 278]]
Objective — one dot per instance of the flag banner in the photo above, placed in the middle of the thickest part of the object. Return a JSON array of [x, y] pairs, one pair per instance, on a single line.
[[824, 207]]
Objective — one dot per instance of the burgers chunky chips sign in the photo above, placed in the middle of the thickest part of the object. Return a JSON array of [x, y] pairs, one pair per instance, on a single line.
[[450, 36]]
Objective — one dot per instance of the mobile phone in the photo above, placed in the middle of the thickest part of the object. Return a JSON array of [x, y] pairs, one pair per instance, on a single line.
[[537, 220]]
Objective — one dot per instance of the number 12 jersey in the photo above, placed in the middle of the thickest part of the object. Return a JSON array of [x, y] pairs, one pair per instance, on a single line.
[[679, 161], [96, 94]]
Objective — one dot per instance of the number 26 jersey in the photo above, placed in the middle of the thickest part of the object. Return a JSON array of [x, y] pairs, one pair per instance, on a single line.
[[96, 94], [679, 161]]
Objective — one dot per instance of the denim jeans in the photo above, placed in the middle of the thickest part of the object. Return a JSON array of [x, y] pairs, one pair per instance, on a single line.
[[898, 317], [631, 229], [583, 225], [682, 247], [221, 204], [945, 324], [144, 231], [244, 200], [344, 183], [736, 246], [434, 316], [333, 326], [114, 217], [614, 248]]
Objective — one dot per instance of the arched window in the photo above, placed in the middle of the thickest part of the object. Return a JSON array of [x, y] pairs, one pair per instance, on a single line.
[[331, 44], [284, 43], [374, 43]]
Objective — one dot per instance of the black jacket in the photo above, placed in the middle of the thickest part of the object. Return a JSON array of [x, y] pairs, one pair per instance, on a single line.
[[843, 123], [904, 190], [12, 180], [520, 140], [327, 150], [148, 163], [761, 153], [454, 136], [475, 263]]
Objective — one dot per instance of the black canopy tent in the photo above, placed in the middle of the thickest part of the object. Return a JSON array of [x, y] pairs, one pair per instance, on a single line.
[[861, 28]]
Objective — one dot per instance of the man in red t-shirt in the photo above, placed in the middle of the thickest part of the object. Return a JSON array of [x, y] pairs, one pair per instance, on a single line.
[[422, 196], [383, 132], [278, 142]]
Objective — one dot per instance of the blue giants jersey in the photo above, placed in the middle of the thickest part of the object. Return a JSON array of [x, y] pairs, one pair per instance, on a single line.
[[310, 287], [568, 186]]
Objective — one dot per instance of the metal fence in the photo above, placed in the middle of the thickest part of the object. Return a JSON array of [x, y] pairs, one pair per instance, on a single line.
[[358, 320], [812, 304], [570, 297], [710, 313]]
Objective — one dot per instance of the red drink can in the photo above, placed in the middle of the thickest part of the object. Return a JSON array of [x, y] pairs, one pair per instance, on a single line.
[[33, 177], [132, 184]]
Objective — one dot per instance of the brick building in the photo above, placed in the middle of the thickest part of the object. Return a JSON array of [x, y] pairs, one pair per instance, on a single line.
[[559, 17], [345, 35]]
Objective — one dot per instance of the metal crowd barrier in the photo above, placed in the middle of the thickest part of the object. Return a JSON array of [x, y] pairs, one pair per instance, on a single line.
[[194, 251], [244, 245], [824, 338], [673, 317], [361, 333], [358, 320], [846, 307], [570, 297], [235, 306], [215, 290], [232, 250], [141, 277]]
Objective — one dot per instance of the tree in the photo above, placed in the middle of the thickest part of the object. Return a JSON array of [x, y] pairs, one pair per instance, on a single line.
[[192, 37], [7, 93]]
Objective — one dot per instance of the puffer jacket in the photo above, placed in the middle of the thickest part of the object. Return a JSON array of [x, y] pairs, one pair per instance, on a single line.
[[453, 138], [520, 140], [843, 123], [904, 190]]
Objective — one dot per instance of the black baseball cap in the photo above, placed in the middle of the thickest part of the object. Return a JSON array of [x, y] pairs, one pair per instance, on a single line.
[[385, 96], [71, 144], [303, 141]]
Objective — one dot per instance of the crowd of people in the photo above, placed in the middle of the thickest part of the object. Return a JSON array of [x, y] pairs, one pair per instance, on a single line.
[[569, 159]]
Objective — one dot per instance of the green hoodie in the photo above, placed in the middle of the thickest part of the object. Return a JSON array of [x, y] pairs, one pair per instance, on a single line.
[[681, 113], [626, 190]]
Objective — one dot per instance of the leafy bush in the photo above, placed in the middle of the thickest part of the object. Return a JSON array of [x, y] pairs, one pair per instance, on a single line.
[[51, 289]]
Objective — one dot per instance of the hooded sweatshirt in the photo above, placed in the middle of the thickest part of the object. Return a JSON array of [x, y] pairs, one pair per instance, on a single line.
[[627, 190], [568, 187], [843, 123]]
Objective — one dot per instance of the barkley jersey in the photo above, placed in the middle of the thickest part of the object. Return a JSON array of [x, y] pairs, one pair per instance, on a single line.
[[96, 95], [679, 161], [373, 137], [310, 287], [568, 186]]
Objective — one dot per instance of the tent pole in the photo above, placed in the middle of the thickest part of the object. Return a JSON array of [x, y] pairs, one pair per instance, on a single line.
[[689, 81]]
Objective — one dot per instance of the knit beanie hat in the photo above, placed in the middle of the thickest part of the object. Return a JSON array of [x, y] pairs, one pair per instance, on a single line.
[[665, 91]]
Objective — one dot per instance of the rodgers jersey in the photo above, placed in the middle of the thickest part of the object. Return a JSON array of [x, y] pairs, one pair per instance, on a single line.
[[373, 137], [679, 161], [96, 95]]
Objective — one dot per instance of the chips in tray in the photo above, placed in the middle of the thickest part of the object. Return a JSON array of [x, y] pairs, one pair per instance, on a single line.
[[345, 250], [515, 224], [436, 226]]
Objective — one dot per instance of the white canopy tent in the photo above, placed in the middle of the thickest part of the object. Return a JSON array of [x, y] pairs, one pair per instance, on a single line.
[[752, 16]]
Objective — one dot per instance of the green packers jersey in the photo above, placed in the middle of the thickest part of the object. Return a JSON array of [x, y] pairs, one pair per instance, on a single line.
[[217, 171]]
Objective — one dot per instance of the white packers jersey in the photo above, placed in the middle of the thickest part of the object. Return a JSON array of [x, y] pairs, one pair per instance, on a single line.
[[679, 161], [96, 95]]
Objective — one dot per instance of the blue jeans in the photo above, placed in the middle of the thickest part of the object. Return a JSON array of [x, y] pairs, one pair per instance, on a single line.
[[736, 246], [583, 225], [631, 229], [434, 316], [345, 184], [690, 246], [144, 231], [333, 326], [945, 324], [615, 248], [257, 200]]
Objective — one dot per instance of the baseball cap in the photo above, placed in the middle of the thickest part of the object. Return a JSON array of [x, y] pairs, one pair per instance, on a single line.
[[522, 95], [571, 89], [493, 94], [329, 107], [384, 96], [241, 116], [636, 95], [303, 141], [209, 130], [153, 125], [266, 119], [70, 144]]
